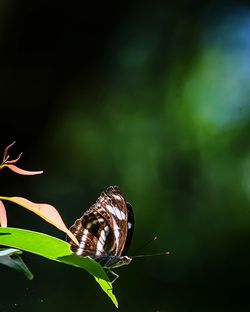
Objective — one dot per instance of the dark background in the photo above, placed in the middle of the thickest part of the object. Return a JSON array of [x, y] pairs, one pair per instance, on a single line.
[[156, 99]]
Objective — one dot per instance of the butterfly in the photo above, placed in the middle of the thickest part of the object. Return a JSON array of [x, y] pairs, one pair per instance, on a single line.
[[105, 230]]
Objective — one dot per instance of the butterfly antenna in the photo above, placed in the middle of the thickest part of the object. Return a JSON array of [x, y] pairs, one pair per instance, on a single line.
[[151, 255], [146, 244]]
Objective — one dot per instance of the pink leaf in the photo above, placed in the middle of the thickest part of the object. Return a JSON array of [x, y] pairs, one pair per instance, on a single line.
[[3, 216], [45, 211], [5, 154], [21, 171]]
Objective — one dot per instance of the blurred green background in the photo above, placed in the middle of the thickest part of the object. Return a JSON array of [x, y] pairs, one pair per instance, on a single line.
[[154, 98]]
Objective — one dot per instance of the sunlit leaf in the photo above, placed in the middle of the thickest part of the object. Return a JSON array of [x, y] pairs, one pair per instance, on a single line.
[[57, 250], [45, 211]]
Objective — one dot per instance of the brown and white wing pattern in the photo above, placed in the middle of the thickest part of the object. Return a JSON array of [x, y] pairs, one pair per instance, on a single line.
[[105, 231]]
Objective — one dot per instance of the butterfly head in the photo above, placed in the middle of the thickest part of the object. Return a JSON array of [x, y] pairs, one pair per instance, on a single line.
[[111, 262]]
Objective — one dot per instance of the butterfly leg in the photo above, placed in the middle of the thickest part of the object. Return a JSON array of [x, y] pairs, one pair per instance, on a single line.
[[115, 276]]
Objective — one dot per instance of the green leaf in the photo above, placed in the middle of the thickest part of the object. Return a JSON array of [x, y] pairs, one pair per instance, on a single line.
[[10, 258], [56, 250], [9, 252]]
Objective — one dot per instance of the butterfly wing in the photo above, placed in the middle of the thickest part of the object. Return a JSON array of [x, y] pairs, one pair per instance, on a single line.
[[106, 228], [130, 229], [93, 233], [116, 212]]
